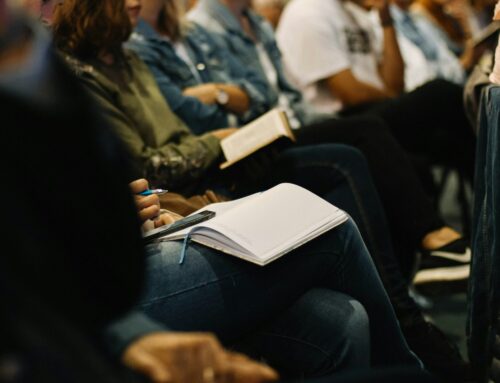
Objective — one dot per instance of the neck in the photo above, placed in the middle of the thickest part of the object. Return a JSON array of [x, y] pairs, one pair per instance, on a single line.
[[150, 13], [107, 58], [236, 7]]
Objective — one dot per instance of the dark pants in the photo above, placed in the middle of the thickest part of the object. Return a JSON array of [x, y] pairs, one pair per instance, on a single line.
[[290, 312], [429, 121], [341, 175], [409, 210]]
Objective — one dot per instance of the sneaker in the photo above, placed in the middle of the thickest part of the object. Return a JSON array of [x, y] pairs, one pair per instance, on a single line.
[[448, 263], [439, 355]]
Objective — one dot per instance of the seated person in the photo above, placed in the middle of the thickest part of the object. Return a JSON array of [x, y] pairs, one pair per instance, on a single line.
[[453, 18], [146, 149], [350, 74], [111, 253], [157, 38], [424, 51]]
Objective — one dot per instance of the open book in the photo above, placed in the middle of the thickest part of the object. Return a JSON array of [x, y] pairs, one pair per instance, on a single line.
[[264, 226], [255, 135]]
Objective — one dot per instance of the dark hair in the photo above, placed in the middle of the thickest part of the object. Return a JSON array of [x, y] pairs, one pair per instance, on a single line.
[[86, 28], [170, 20]]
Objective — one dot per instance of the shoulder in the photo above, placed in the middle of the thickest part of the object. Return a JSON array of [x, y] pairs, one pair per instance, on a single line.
[[78, 67]]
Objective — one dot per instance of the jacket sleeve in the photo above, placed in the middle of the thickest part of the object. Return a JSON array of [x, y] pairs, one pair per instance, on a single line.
[[257, 88], [200, 117], [124, 331], [180, 162]]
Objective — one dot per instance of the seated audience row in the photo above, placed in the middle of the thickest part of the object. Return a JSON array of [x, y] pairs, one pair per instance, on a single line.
[[205, 81]]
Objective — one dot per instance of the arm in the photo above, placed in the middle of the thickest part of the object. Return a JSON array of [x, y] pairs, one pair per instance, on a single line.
[[200, 117], [392, 67], [351, 91], [238, 101], [174, 164]]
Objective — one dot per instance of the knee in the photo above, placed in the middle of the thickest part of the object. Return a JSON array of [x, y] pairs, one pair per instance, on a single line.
[[342, 328], [348, 157]]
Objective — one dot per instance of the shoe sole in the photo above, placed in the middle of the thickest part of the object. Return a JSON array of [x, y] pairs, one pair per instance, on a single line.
[[444, 274]]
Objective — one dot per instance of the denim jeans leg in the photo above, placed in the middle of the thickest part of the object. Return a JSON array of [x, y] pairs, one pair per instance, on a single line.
[[340, 174], [320, 334], [214, 292]]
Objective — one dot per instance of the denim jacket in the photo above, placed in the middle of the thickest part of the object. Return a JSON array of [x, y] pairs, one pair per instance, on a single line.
[[483, 324], [213, 63], [215, 16]]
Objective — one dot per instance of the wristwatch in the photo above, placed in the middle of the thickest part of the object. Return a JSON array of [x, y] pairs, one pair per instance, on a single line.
[[221, 97]]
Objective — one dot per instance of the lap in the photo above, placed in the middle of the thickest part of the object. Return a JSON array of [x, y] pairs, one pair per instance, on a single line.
[[215, 292]]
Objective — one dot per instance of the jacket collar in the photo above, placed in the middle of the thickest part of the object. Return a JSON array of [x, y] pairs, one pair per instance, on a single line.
[[147, 31]]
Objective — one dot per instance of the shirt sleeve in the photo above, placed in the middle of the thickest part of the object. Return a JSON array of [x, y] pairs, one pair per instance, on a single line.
[[200, 117], [311, 47], [124, 331], [172, 165]]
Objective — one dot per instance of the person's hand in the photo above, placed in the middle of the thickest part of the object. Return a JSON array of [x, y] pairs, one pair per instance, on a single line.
[[206, 93], [192, 358], [166, 218], [223, 133], [148, 206]]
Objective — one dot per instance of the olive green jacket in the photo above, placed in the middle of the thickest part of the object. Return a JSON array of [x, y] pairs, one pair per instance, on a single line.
[[162, 146]]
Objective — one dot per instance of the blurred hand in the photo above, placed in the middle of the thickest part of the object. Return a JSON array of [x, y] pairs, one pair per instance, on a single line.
[[223, 133], [148, 206], [166, 218], [206, 93], [192, 358]]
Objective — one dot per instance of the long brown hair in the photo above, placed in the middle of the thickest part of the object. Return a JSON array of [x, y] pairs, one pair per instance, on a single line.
[[171, 19], [87, 28]]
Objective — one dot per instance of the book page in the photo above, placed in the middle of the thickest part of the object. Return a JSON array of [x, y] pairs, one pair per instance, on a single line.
[[276, 219], [256, 135]]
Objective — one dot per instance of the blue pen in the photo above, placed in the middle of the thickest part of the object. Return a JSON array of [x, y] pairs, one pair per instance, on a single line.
[[153, 191]]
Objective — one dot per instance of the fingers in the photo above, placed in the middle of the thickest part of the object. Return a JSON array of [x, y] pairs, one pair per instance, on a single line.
[[139, 186], [148, 365], [150, 212], [242, 369], [149, 207]]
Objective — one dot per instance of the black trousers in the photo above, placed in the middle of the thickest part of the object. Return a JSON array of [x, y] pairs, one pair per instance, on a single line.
[[429, 121], [409, 210]]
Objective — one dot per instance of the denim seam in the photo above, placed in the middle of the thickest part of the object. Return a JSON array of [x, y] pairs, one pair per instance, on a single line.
[[155, 300], [327, 355]]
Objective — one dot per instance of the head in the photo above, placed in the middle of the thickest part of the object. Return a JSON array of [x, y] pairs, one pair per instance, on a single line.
[[89, 28], [133, 8]]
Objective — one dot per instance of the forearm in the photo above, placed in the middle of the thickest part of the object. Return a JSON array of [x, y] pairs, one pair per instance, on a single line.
[[392, 66]]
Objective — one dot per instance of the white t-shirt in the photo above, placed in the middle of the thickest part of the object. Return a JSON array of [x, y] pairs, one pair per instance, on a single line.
[[418, 70], [319, 38]]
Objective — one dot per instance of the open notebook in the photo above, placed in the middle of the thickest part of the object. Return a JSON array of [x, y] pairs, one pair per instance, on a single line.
[[264, 226]]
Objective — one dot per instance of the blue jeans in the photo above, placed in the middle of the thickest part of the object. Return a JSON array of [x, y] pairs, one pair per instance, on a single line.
[[340, 174], [484, 284], [304, 313]]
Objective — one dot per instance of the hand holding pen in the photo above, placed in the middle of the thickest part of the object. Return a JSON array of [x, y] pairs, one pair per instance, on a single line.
[[147, 200]]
